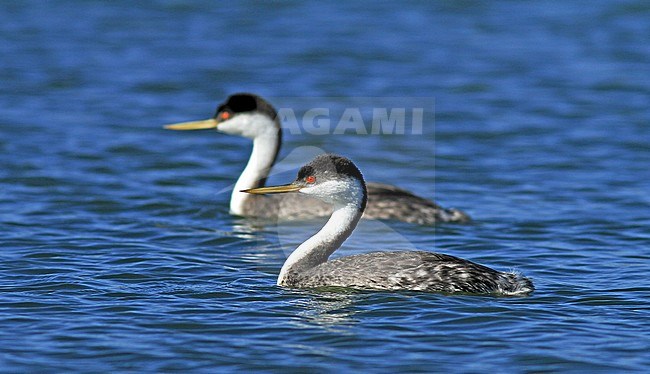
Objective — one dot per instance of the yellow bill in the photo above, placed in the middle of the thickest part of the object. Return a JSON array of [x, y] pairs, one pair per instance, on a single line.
[[274, 189], [194, 125]]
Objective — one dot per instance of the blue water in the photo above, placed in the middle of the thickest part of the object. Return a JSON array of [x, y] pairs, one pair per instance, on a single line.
[[118, 252]]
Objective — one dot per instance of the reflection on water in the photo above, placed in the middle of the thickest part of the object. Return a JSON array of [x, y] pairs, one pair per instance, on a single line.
[[328, 310]]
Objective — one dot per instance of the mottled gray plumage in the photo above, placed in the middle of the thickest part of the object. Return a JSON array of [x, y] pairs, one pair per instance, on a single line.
[[412, 270], [286, 207], [390, 202]]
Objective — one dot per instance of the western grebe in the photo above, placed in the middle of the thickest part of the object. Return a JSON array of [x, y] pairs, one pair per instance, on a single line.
[[337, 181], [252, 117]]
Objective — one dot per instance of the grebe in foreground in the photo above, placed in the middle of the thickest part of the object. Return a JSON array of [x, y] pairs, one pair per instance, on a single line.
[[252, 117], [337, 181]]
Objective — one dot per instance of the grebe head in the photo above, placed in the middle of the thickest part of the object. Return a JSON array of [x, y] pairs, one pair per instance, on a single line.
[[247, 115], [333, 179], [242, 114]]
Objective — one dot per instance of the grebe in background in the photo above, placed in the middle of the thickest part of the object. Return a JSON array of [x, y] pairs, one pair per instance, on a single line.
[[252, 117]]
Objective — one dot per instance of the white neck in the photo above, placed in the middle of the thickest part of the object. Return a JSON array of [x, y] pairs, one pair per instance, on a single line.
[[317, 249], [259, 165]]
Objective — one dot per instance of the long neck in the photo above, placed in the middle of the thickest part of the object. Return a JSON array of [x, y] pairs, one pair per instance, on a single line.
[[265, 150], [317, 249]]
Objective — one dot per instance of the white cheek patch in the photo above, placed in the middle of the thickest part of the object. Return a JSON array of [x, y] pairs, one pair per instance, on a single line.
[[233, 126], [249, 125], [343, 191], [322, 190]]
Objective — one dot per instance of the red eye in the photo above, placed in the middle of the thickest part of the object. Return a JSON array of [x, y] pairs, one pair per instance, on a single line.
[[310, 179], [224, 115]]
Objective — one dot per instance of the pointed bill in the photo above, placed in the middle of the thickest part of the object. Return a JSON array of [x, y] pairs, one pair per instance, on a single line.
[[274, 189], [194, 125]]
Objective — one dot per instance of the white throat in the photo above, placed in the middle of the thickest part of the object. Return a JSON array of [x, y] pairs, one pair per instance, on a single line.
[[317, 249], [259, 166]]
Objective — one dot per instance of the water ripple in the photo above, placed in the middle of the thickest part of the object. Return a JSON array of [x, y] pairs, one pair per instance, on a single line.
[[119, 253]]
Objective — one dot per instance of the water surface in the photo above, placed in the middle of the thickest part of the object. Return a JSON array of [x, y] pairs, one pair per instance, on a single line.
[[118, 252]]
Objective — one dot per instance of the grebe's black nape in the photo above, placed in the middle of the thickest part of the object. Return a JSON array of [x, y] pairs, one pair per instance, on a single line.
[[252, 117], [337, 181]]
